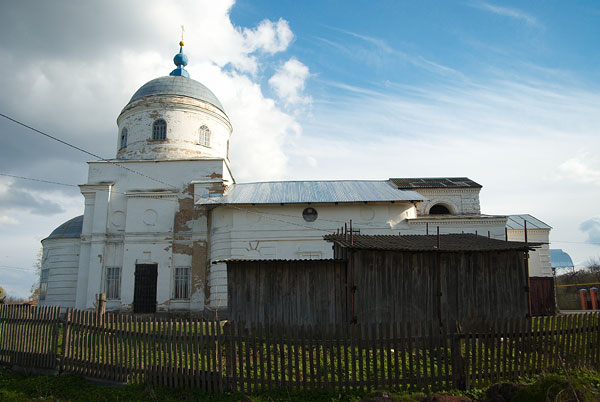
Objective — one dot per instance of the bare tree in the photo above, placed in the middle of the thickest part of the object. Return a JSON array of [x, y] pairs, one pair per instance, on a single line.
[[35, 287], [2, 295]]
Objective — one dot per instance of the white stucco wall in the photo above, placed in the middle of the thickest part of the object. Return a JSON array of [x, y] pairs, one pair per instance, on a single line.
[[60, 258], [457, 200], [131, 219], [482, 225], [539, 259]]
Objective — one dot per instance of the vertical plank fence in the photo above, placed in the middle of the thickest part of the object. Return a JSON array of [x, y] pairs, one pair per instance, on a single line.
[[238, 356], [29, 336]]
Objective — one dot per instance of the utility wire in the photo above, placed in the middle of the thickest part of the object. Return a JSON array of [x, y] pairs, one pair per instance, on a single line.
[[18, 268], [66, 184], [84, 151]]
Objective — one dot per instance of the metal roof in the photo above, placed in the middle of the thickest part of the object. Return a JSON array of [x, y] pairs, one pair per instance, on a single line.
[[71, 229], [448, 242], [515, 222], [177, 85], [560, 259], [435, 182], [301, 192]]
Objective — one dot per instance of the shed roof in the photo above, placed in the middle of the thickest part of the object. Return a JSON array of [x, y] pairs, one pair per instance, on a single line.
[[448, 242], [435, 182], [515, 222], [298, 192]]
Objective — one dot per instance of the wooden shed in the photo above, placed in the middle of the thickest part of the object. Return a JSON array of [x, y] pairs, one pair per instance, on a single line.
[[385, 279]]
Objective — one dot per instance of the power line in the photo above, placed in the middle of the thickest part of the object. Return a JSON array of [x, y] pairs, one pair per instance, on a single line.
[[38, 180], [18, 268], [64, 184], [84, 151]]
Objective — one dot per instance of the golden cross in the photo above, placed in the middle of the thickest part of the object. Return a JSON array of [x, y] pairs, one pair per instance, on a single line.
[[182, 31]]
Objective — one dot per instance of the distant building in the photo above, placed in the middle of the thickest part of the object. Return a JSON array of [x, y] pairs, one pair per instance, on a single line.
[[167, 207], [560, 259]]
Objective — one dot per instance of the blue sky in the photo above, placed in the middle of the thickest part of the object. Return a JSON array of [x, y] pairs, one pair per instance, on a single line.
[[504, 92]]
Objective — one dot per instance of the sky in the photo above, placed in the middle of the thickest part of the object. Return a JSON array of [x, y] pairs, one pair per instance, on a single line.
[[506, 93]]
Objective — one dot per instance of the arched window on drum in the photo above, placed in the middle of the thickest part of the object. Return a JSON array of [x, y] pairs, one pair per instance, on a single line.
[[204, 136], [159, 130], [123, 138]]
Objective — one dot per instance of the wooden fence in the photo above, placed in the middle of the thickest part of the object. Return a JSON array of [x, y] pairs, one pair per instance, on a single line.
[[29, 336], [241, 357]]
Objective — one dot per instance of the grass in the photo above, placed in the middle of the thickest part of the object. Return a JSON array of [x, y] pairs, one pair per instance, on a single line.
[[26, 387]]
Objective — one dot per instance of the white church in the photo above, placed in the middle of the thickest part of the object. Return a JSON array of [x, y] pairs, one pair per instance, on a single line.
[[160, 218]]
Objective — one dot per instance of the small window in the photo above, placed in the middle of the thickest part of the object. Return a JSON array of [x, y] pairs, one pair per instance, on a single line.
[[123, 138], [204, 138], [439, 209], [113, 283], [159, 130], [181, 283], [43, 284], [310, 214]]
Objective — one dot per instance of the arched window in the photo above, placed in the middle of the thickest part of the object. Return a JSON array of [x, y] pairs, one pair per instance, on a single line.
[[439, 209], [204, 138], [123, 138], [159, 130]]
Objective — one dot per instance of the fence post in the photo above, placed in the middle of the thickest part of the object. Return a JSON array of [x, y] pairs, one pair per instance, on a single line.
[[65, 342], [458, 360], [101, 297]]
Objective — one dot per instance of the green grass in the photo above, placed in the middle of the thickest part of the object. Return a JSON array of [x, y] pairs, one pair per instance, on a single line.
[[26, 387]]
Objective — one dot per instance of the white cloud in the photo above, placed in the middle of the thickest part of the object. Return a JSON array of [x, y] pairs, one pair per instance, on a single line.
[[507, 12], [269, 36], [579, 169], [289, 80], [8, 220]]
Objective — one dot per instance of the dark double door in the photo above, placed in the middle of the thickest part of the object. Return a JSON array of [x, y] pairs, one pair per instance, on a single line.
[[144, 296]]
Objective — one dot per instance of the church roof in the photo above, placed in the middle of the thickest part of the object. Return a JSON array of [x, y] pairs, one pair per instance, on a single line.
[[177, 85], [302, 192], [71, 229], [435, 182], [515, 222]]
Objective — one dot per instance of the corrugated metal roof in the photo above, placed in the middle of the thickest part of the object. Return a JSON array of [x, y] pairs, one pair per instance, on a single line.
[[299, 192], [435, 182], [448, 242], [560, 259], [177, 85], [515, 222]]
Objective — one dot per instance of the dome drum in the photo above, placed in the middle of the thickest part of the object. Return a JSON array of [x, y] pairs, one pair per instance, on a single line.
[[184, 136]]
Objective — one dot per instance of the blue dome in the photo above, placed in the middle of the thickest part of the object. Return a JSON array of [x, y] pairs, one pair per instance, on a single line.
[[71, 229], [177, 85]]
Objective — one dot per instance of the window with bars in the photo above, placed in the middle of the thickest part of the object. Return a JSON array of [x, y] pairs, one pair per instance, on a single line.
[[123, 138], [159, 130], [204, 136], [181, 283], [113, 283], [43, 284]]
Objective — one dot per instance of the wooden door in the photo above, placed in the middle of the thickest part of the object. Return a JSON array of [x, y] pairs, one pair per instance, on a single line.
[[144, 296]]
